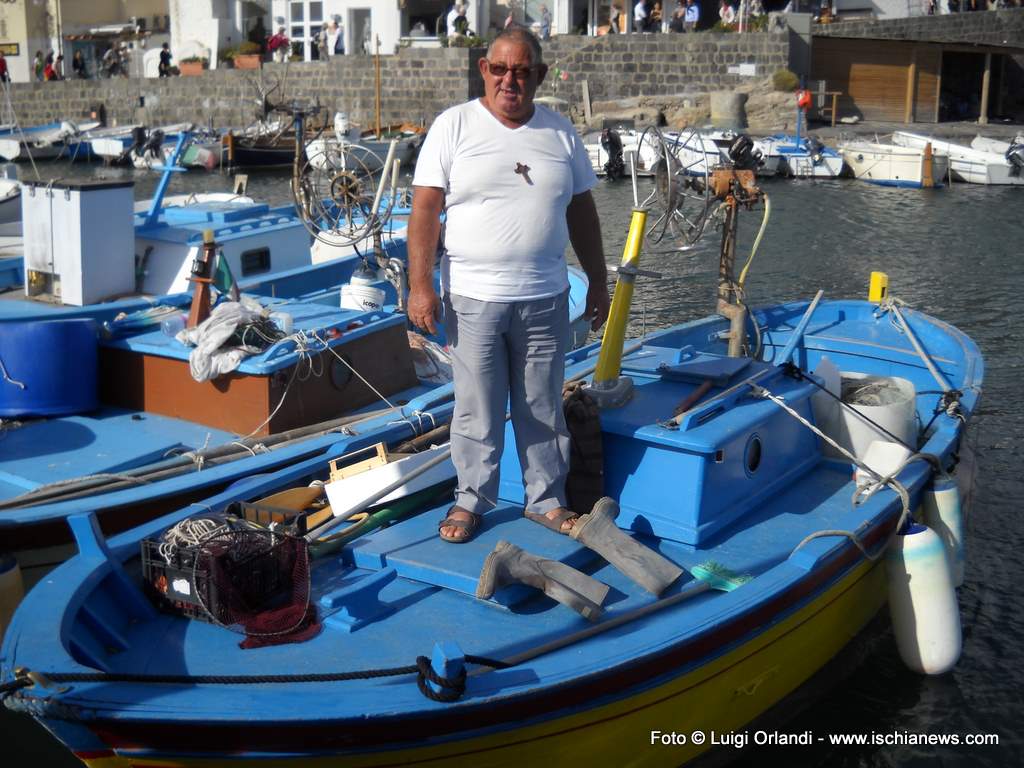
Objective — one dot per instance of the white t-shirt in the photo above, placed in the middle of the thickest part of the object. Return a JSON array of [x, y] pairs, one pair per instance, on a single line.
[[505, 231]]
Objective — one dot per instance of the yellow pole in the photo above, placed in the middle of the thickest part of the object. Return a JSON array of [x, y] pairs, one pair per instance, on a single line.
[[609, 360]]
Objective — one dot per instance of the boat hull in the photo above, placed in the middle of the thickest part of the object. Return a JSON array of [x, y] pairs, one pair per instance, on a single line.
[[715, 697], [893, 166], [966, 164]]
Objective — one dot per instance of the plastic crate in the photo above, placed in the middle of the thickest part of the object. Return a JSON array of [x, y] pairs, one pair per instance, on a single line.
[[245, 586]]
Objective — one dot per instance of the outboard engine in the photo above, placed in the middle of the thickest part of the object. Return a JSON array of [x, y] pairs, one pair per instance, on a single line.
[[138, 138], [1015, 157], [743, 154], [153, 144], [815, 148], [611, 143]]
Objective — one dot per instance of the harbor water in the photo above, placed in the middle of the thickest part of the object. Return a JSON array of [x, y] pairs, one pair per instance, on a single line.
[[953, 253]]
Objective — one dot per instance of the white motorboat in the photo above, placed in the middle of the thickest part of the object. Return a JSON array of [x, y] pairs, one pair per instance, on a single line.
[[43, 142], [966, 163], [10, 200], [366, 150], [894, 166], [629, 138], [767, 165], [802, 157], [1013, 150]]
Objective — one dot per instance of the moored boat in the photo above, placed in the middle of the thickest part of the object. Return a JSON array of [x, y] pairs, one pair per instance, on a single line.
[[801, 157], [716, 461], [965, 163], [894, 166]]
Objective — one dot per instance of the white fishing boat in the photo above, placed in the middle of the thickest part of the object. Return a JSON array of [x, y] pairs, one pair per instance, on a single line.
[[608, 147], [1012, 150], [966, 163], [723, 139], [802, 157], [367, 149], [894, 166], [10, 195], [43, 142]]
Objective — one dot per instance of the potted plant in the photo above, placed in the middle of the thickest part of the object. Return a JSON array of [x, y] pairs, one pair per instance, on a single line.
[[248, 56], [193, 65]]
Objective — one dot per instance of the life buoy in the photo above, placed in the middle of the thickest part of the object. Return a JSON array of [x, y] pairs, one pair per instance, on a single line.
[[803, 98]]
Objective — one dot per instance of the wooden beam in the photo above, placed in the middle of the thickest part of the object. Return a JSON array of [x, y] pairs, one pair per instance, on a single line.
[[938, 83], [908, 106], [986, 81]]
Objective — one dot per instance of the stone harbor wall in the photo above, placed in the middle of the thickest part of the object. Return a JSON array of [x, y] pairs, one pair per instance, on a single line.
[[418, 83], [1002, 27]]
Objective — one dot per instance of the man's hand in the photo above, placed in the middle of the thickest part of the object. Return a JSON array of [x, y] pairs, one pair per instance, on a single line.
[[598, 304], [424, 308]]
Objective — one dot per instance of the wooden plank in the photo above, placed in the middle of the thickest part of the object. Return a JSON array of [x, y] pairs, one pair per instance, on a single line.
[[908, 106], [929, 62], [986, 81], [586, 101]]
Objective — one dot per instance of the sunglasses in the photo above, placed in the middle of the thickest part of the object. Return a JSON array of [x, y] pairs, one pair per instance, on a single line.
[[519, 73]]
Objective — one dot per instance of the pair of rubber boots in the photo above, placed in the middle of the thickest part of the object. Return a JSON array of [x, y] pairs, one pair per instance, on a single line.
[[508, 564]]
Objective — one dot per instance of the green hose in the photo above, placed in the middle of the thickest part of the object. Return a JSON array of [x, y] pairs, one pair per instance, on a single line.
[[398, 510]]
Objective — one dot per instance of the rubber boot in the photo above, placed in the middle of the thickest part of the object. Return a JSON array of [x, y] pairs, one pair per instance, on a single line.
[[508, 564], [597, 531]]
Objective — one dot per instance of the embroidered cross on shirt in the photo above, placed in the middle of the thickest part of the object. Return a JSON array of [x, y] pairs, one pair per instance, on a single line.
[[524, 171]]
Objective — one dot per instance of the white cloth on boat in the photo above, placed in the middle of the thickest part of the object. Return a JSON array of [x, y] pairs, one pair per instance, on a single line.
[[433, 362], [209, 360]]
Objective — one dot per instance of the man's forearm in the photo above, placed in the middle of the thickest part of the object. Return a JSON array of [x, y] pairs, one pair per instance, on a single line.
[[423, 233], [585, 236]]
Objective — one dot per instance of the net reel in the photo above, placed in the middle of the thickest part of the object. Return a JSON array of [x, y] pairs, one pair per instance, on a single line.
[[338, 186], [681, 164]]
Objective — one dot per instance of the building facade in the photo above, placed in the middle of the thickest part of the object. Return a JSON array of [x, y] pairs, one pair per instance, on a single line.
[[70, 26]]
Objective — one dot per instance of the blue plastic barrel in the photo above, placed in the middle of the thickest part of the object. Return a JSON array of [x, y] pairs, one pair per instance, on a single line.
[[48, 368]]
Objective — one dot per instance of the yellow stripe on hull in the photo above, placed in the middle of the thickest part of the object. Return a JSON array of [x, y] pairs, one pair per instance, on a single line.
[[721, 696]]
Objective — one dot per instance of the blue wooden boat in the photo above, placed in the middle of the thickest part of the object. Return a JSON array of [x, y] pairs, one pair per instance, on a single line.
[[121, 450], [733, 478]]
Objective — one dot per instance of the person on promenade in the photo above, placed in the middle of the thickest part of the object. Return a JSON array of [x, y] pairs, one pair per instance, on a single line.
[[726, 14], [332, 40], [4, 75], [640, 16], [514, 180], [510, 20], [164, 67], [545, 23], [78, 66], [38, 65], [675, 24], [692, 16], [454, 12], [278, 46]]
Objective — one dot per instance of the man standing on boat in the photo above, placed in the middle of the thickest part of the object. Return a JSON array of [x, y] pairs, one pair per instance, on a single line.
[[515, 180]]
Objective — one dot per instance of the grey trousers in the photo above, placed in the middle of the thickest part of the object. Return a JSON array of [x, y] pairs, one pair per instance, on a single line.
[[509, 352]]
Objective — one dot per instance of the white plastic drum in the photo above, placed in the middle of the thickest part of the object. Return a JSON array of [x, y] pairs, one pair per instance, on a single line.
[[888, 401]]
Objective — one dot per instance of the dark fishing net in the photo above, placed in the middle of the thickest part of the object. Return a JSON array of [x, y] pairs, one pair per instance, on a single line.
[[872, 391], [247, 579]]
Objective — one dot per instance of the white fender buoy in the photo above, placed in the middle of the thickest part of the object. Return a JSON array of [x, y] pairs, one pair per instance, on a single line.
[[942, 513], [922, 601], [11, 590], [966, 472]]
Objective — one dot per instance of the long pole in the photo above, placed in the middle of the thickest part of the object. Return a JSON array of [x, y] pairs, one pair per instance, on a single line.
[[376, 61]]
